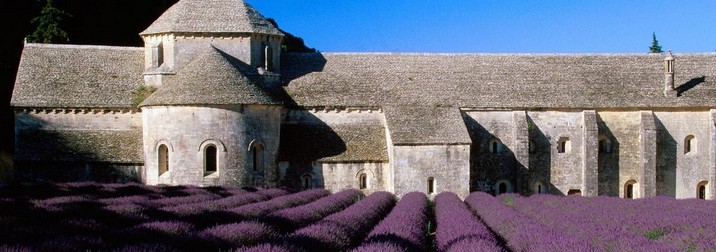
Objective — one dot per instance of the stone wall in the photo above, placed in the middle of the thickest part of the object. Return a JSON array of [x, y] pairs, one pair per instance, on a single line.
[[619, 155], [79, 167], [448, 165], [679, 171], [560, 172], [187, 131], [495, 148]]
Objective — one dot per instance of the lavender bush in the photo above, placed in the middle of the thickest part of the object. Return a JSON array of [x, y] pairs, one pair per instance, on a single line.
[[289, 219], [345, 229], [265, 207], [521, 232], [404, 229], [245, 233], [457, 228]]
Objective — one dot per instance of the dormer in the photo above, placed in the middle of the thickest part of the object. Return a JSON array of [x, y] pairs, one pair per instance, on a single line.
[[232, 26]]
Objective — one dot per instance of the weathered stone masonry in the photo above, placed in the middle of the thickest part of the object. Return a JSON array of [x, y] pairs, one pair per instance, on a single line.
[[230, 107]]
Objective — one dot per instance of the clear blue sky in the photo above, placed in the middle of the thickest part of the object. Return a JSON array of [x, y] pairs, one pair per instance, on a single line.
[[497, 26]]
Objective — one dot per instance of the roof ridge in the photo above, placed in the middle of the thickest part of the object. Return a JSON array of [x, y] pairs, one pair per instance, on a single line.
[[506, 54], [76, 46]]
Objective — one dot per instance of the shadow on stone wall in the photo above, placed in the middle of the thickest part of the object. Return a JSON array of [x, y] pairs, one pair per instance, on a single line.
[[541, 159], [487, 168], [666, 153], [608, 173]]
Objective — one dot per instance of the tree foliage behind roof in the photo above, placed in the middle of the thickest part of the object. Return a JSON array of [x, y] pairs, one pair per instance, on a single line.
[[48, 25], [655, 47]]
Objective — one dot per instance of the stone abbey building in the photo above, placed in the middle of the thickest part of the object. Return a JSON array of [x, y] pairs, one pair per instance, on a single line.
[[211, 99]]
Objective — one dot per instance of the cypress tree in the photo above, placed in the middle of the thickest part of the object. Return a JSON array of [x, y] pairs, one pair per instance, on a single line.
[[655, 47]]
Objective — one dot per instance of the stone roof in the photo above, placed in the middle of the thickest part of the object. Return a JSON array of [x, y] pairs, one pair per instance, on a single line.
[[61, 76], [423, 125], [498, 81], [120, 146], [211, 16], [212, 78], [334, 143]]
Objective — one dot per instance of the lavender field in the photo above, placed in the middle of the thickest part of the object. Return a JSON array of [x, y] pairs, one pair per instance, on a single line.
[[134, 217]]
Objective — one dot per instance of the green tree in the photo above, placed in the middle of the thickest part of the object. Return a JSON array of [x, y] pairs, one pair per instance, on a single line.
[[48, 25], [655, 47]]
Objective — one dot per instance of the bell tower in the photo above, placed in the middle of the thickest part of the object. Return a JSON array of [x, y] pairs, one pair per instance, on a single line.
[[190, 26]]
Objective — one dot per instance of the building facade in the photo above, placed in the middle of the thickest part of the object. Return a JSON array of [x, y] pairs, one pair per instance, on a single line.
[[211, 99]]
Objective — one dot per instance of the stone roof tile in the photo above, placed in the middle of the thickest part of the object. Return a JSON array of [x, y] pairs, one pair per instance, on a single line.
[[212, 16], [61, 76], [333, 143], [212, 78]]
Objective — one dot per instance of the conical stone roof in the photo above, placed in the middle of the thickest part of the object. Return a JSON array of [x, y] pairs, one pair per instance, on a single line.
[[212, 16], [212, 78]]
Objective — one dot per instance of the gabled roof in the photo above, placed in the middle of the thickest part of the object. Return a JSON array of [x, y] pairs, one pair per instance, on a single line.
[[212, 16], [499, 81], [212, 78], [426, 125], [61, 76]]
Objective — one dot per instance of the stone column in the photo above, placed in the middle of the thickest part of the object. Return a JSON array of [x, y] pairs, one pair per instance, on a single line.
[[590, 149], [647, 154], [520, 148], [711, 186]]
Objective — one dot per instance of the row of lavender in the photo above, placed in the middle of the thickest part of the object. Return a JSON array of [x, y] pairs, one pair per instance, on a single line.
[[143, 218], [557, 223]]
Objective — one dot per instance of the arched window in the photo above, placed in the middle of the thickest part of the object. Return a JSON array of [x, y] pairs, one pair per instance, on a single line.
[[363, 181], [257, 154], [431, 185], [701, 190], [690, 144], [605, 145], [306, 181], [268, 57], [503, 186], [630, 189], [210, 159], [564, 145], [540, 188], [163, 159], [575, 192], [496, 146]]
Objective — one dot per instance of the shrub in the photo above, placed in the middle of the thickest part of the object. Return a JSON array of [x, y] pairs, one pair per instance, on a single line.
[[293, 218], [457, 227], [404, 229]]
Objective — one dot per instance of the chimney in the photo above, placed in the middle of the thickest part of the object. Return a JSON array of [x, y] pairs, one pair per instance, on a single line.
[[669, 90]]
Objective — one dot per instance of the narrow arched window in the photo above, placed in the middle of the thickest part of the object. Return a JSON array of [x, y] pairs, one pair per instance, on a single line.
[[503, 186], [605, 145], [564, 145], [157, 55], [257, 153], [431, 185], [689, 144], [363, 181], [268, 57], [163, 159], [306, 181], [540, 188], [496, 146], [630, 188], [210, 159], [701, 190]]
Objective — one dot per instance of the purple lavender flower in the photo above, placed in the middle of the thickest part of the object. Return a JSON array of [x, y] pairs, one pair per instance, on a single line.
[[404, 229], [457, 228]]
